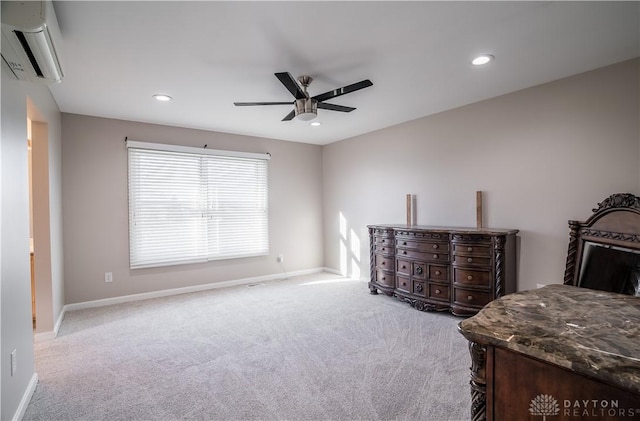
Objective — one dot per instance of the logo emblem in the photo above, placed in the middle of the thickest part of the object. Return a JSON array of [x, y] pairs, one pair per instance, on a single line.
[[544, 405]]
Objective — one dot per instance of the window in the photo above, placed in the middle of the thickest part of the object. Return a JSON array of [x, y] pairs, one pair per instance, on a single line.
[[191, 205]]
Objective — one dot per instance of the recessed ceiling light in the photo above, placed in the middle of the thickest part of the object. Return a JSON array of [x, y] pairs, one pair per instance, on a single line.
[[483, 59], [162, 97], [316, 123]]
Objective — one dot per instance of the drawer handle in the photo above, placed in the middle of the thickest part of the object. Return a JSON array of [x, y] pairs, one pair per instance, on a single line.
[[384, 249], [384, 241], [438, 272], [435, 256], [470, 259], [404, 284], [404, 243], [419, 270], [470, 298], [469, 248], [384, 263], [404, 252], [438, 291], [419, 287], [404, 267], [435, 246], [469, 278], [384, 278]]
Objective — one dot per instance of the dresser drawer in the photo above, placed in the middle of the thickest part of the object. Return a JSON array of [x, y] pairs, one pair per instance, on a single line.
[[426, 257], [403, 283], [439, 273], [385, 278], [426, 246], [472, 260], [420, 288], [383, 241], [383, 249], [472, 249], [410, 268], [471, 297], [419, 270], [403, 267], [472, 277], [439, 292], [384, 262]]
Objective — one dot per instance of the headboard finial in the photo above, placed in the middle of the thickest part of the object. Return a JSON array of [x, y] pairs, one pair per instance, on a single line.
[[619, 200]]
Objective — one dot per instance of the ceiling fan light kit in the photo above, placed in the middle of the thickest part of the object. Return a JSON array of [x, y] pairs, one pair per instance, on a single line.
[[306, 107]]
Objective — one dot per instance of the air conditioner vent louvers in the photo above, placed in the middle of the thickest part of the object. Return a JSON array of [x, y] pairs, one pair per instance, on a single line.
[[27, 50]]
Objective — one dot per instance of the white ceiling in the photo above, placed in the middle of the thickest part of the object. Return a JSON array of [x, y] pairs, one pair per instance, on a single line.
[[207, 55]]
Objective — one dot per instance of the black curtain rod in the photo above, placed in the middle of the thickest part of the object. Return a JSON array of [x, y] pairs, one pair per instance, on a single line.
[[205, 145]]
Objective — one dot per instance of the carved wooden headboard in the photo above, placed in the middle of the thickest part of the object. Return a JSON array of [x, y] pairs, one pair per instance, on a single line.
[[606, 247]]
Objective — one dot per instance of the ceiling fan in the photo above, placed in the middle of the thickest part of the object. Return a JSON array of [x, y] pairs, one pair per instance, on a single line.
[[306, 107]]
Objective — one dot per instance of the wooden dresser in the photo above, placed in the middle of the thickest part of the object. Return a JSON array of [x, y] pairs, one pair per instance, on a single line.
[[560, 351], [442, 268]]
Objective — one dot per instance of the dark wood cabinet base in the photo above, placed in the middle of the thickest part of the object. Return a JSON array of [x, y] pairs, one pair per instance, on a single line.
[[509, 386], [442, 269]]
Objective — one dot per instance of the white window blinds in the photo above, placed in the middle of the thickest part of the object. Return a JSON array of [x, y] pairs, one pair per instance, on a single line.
[[192, 205]]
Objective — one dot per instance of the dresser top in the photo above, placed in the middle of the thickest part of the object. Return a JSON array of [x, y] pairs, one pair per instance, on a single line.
[[593, 333], [455, 230]]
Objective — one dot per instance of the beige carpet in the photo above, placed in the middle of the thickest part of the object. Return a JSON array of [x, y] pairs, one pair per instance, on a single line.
[[309, 348]]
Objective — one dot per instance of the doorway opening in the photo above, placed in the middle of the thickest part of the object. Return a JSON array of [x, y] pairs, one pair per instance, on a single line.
[[31, 256]]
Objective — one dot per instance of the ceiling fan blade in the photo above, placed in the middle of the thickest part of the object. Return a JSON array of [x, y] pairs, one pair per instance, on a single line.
[[290, 83], [344, 90], [334, 107], [246, 104], [290, 116]]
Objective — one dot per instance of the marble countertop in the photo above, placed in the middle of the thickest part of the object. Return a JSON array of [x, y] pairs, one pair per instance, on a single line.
[[593, 333]]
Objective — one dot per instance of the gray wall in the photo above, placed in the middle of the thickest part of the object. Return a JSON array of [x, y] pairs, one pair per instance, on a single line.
[[541, 156], [96, 210], [21, 101]]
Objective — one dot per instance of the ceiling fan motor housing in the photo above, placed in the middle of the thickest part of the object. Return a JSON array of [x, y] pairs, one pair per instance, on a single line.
[[306, 109]]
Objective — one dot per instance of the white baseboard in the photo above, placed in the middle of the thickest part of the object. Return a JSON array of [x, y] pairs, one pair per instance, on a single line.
[[47, 336], [44, 336], [26, 397], [185, 290], [362, 278], [334, 271], [56, 328]]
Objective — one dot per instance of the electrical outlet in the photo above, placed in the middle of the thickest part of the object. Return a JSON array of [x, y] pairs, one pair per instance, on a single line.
[[280, 258], [108, 276], [14, 361]]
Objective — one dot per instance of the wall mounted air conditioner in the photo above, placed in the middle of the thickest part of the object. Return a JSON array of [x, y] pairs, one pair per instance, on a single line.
[[30, 40]]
